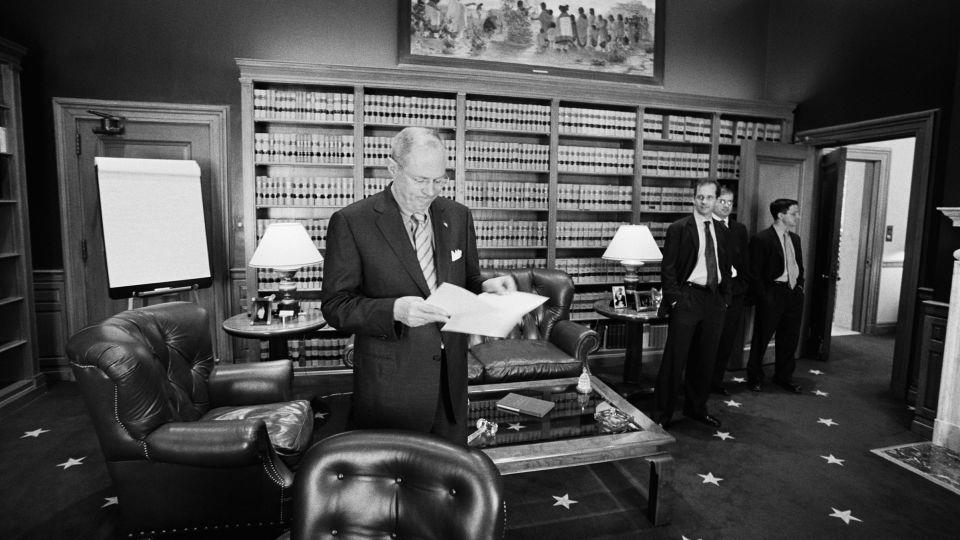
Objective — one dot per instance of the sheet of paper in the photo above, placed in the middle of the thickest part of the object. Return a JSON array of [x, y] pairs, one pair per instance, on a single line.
[[487, 314]]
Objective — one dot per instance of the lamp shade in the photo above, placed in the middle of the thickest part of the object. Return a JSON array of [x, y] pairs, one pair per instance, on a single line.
[[285, 247], [633, 244]]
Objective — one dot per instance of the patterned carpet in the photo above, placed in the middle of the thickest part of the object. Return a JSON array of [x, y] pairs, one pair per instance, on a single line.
[[782, 466]]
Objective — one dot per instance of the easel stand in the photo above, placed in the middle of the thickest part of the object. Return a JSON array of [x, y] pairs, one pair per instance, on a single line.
[[164, 291]]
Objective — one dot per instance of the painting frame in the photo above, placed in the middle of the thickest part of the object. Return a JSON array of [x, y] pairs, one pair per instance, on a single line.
[[415, 41]]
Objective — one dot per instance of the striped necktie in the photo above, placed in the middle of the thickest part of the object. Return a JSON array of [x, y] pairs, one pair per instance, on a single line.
[[790, 260], [421, 242]]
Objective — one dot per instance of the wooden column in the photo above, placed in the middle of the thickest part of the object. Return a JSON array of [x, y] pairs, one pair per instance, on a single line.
[[946, 428]]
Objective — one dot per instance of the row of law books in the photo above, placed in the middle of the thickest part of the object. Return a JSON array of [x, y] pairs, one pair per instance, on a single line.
[[676, 164], [732, 131], [595, 160], [269, 104], [512, 233], [505, 194], [728, 166], [316, 228], [666, 198], [303, 148], [507, 156], [303, 191], [372, 186], [503, 265], [594, 270], [674, 127], [597, 122], [578, 234], [312, 352], [659, 231], [308, 278], [432, 112], [594, 197], [581, 308], [507, 116], [377, 151]]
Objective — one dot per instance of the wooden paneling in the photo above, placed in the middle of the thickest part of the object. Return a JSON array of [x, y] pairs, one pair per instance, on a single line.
[[931, 363], [49, 298]]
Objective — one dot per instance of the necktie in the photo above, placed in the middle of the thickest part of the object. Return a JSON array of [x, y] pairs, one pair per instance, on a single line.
[[421, 242], [710, 255], [790, 260]]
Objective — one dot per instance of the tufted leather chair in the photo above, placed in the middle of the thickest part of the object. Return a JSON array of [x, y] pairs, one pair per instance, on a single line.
[[189, 446], [545, 345], [396, 484]]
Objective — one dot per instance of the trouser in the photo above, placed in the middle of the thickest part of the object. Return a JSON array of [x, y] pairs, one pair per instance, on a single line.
[[778, 312], [692, 335], [445, 420], [731, 339]]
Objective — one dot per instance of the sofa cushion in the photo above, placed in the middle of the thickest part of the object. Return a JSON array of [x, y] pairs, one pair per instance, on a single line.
[[289, 424], [474, 369], [511, 360]]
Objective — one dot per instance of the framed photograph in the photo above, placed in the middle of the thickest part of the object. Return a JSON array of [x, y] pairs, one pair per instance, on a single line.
[[643, 301], [261, 311], [619, 297], [617, 40]]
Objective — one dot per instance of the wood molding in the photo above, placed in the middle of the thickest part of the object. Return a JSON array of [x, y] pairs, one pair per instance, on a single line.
[[952, 213]]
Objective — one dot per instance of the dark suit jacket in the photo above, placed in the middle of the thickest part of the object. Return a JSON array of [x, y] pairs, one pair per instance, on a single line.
[[738, 245], [370, 262], [680, 249], [766, 259]]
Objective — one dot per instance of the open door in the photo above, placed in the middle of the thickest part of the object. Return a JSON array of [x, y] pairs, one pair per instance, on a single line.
[[822, 277]]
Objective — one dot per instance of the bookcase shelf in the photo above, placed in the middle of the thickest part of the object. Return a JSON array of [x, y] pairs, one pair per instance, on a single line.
[[631, 152]]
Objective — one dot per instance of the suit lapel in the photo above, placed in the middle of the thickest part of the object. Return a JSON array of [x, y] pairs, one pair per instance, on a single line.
[[441, 242], [391, 227], [778, 250]]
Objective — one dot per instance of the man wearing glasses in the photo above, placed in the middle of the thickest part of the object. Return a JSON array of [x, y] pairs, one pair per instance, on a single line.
[[777, 272], [384, 256], [731, 337]]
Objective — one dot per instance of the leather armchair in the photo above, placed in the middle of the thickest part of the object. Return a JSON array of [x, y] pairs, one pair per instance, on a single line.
[[545, 345], [396, 484], [189, 446]]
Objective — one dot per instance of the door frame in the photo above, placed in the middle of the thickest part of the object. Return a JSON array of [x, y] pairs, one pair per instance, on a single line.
[[66, 113], [919, 125]]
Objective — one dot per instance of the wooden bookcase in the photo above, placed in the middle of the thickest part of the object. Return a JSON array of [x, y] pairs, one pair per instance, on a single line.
[[550, 167], [18, 356]]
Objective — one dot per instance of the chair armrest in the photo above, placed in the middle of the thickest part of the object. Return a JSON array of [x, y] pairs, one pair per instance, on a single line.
[[228, 443], [574, 339], [251, 384]]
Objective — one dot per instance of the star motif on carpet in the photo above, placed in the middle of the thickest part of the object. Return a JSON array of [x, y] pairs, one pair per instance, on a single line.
[[109, 501], [321, 415], [732, 403], [827, 422], [821, 393], [846, 515], [709, 478], [724, 435], [35, 433], [739, 379], [833, 460], [515, 426], [816, 372], [70, 462], [564, 501]]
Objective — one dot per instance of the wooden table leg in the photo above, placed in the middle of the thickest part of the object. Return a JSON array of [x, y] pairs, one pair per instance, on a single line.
[[633, 356], [278, 348], [660, 495]]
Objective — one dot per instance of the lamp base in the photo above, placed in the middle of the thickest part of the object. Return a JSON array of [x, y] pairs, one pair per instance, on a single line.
[[631, 280], [287, 288]]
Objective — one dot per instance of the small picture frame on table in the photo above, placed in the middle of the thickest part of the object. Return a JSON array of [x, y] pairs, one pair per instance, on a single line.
[[619, 297], [260, 311], [643, 301]]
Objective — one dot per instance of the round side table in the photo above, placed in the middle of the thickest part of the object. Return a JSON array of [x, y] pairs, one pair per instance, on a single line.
[[276, 332], [633, 358]]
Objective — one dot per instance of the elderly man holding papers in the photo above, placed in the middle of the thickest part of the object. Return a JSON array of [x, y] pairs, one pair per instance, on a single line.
[[385, 255]]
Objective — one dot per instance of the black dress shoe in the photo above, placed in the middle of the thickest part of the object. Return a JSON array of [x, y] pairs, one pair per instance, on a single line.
[[664, 420], [790, 387], [720, 390], [755, 387], [704, 419]]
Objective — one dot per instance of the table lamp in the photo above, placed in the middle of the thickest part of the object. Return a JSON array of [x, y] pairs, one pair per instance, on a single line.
[[286, 247], [633, 245]]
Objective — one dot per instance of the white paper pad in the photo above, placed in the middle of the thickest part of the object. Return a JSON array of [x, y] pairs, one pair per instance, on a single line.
[[487, 314]]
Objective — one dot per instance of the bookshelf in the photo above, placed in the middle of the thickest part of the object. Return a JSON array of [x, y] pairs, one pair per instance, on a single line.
[[549, 168], [19, 369]]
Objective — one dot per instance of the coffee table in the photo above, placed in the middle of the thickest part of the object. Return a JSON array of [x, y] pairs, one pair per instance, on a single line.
[[569, 435]]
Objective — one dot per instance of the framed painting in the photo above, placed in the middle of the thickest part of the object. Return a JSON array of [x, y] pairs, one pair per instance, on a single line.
[[617, 40]]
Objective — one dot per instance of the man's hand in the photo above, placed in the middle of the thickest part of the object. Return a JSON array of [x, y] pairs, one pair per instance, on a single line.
[[500, 285], [415, 311]]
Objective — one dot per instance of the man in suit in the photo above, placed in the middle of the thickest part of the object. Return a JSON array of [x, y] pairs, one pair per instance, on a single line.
[[777, 272], [731, 336], [695, 275], [384, 255]]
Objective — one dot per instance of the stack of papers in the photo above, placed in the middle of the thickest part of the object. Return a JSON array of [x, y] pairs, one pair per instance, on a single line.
[[486, 314]]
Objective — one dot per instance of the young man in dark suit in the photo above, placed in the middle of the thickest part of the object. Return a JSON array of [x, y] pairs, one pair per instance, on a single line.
[[695, 275], [384, 256], [731, 337], [777, 272]]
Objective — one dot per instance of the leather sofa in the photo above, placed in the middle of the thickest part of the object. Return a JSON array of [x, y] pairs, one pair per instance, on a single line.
[[396, 484], [189, 446]]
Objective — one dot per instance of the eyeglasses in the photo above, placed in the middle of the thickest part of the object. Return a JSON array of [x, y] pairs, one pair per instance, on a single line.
[[421, 181], [725, 202]]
